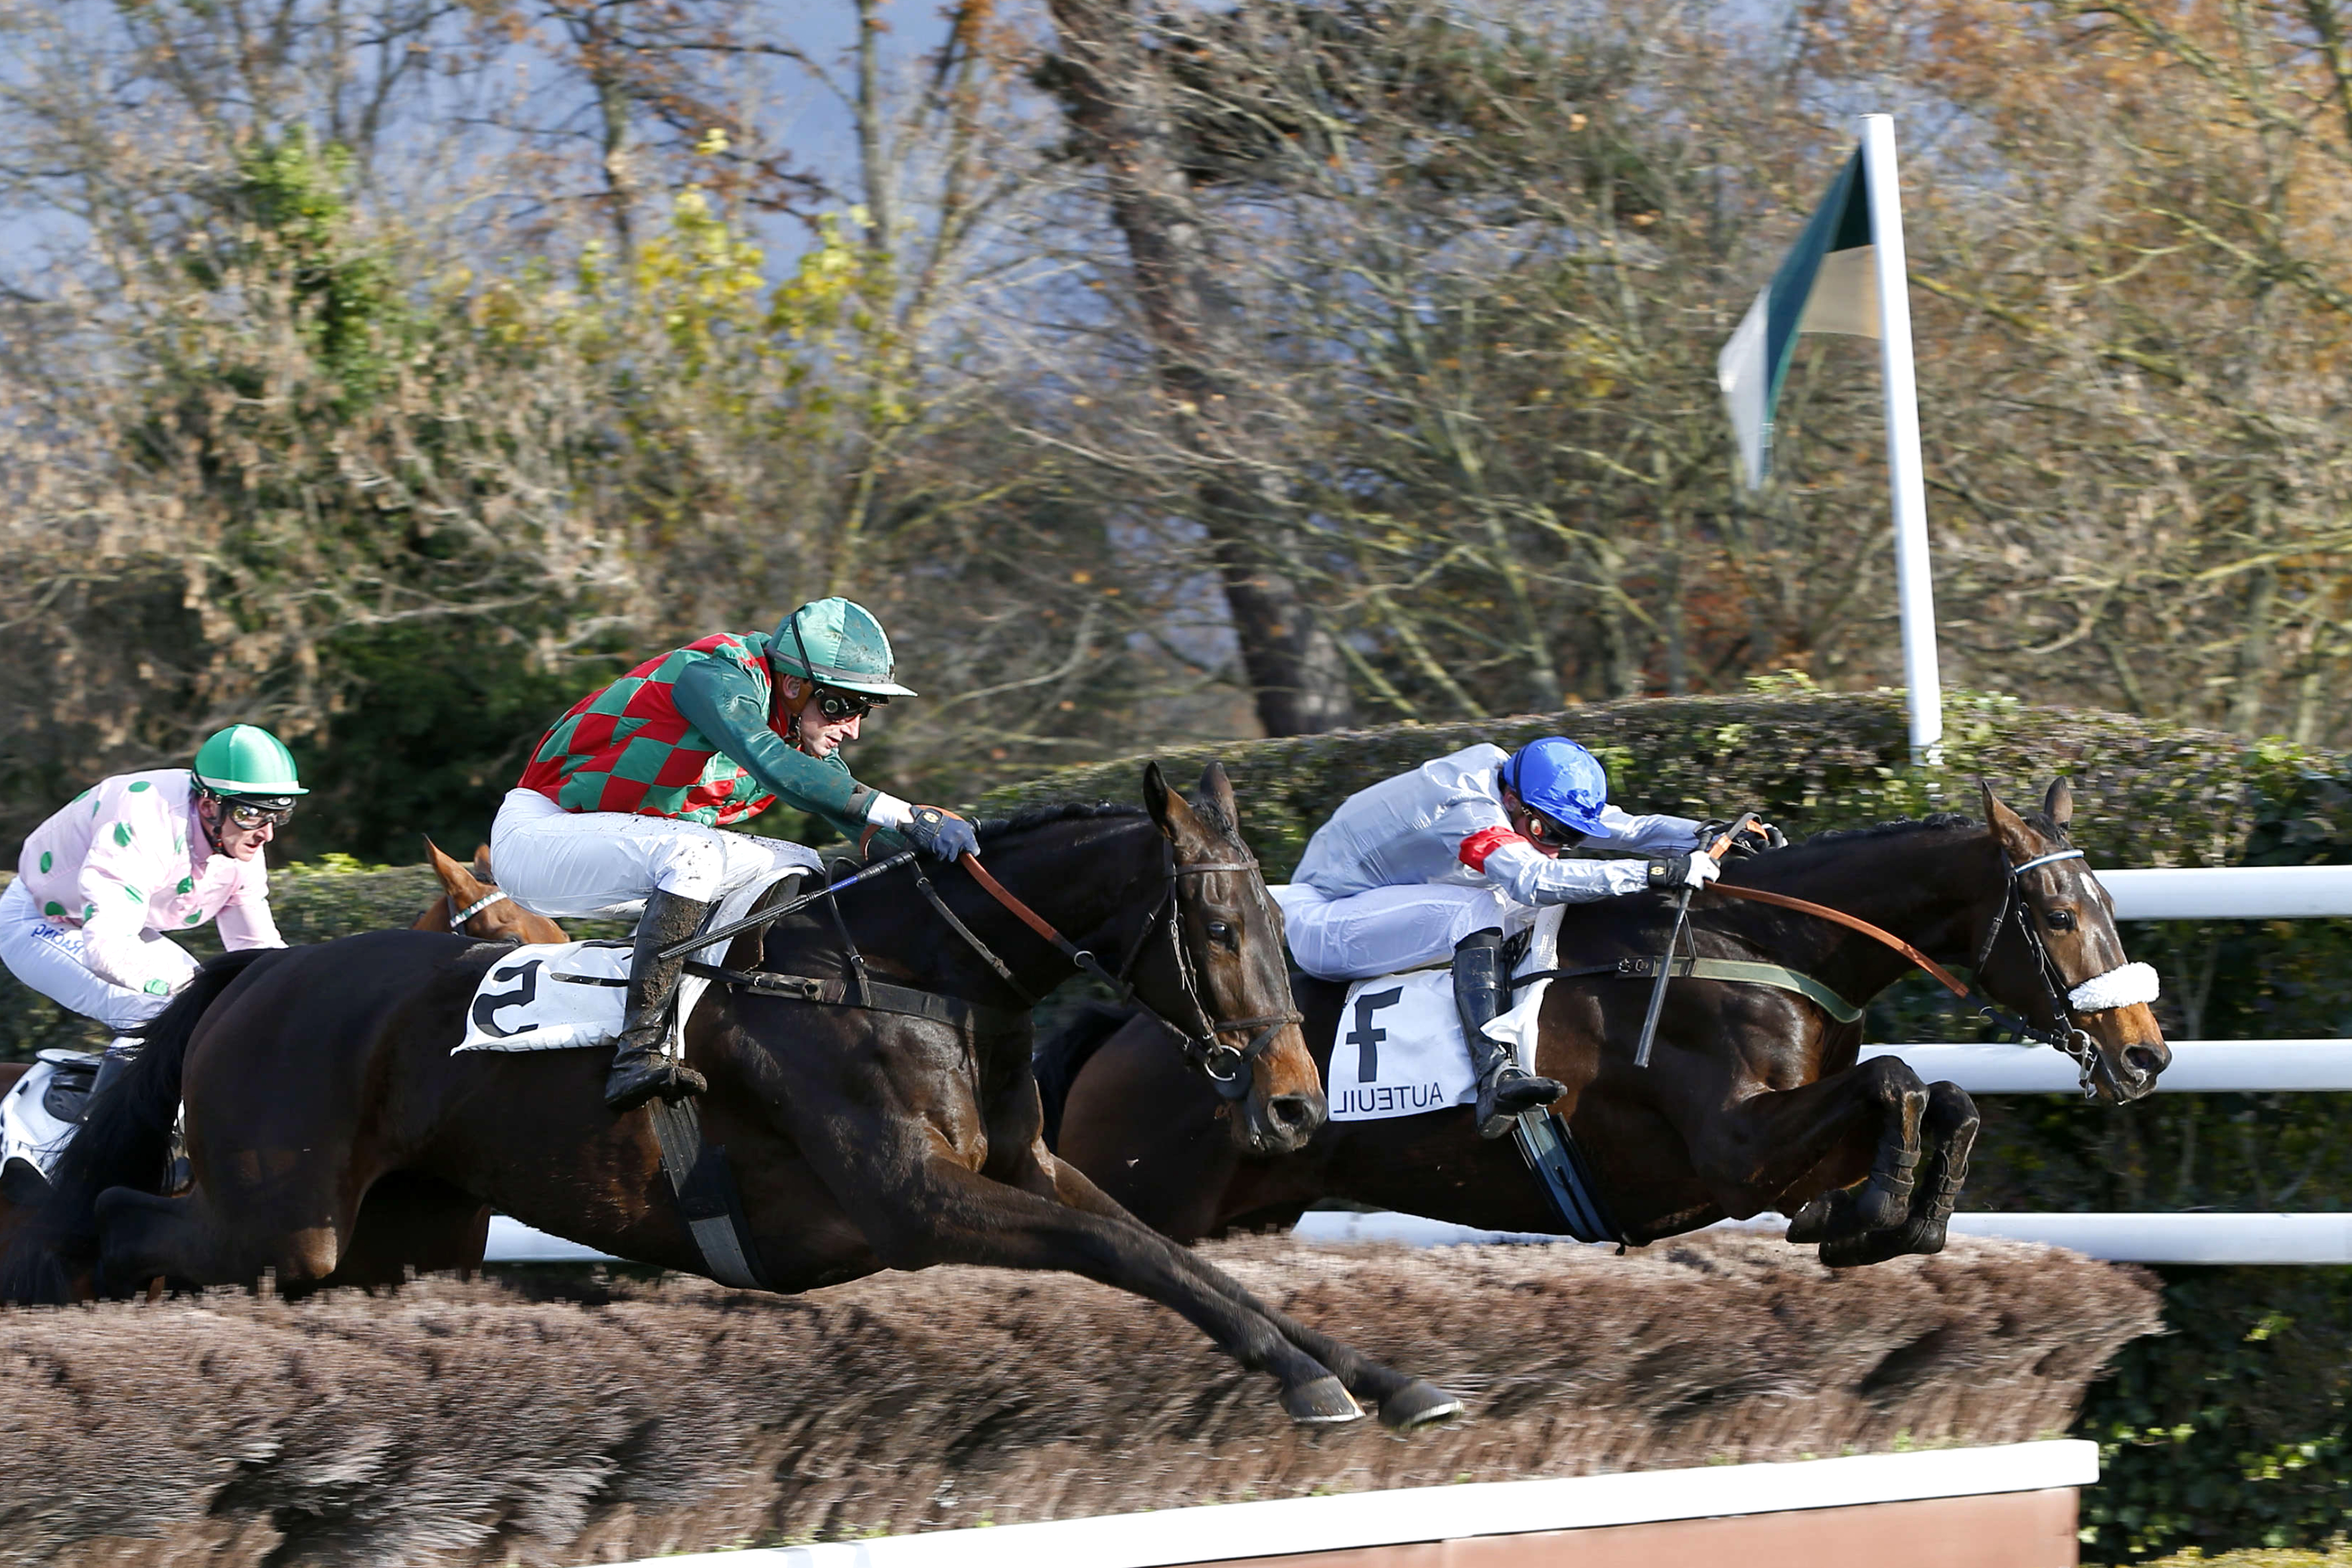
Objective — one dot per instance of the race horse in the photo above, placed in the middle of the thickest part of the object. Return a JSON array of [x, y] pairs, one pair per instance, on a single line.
[[402, 1224], [858, 1138], [1754, 1100]]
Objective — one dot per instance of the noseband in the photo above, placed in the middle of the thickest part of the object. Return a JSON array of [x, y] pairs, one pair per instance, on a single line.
[[457, 917]]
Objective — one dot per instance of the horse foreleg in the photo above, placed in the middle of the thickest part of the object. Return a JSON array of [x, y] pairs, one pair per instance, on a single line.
[[1765, 1147], [191, 1240], [1947, 1133]]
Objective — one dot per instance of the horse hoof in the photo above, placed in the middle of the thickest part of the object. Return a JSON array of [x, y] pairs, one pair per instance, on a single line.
[[1324, 1402], [1418, 1404], [1883, 1207]]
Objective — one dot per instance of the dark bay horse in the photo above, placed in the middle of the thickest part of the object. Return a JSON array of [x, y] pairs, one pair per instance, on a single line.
[[1753, 1101], [859, 1140]]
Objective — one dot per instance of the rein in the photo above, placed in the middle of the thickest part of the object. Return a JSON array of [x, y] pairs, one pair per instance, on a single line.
[[1806, 906], [1226, 1067]]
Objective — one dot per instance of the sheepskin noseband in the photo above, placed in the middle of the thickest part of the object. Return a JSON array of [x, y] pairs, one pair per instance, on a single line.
[[2117, 988]]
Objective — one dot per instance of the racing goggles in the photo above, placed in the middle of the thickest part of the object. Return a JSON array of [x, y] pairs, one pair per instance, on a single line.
[[256, 812], [1542, 829], [839, 705]]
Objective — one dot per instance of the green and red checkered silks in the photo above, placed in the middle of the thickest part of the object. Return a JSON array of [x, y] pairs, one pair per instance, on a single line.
[[627, 747]]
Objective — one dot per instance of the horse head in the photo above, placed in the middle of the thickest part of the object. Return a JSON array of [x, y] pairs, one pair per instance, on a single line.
[[472, 904], [2049, 947], [1230, 969]]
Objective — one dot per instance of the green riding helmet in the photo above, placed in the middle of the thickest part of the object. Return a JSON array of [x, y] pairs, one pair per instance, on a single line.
[[838, 644], [246, 759]]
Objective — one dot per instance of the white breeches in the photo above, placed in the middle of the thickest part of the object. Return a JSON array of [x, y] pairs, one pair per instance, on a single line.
[[1384, 930], [46, 955], [583, 865]]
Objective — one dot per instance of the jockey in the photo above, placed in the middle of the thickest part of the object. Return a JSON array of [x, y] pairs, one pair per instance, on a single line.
[[1438, 860], [621, 806], [99, 884]]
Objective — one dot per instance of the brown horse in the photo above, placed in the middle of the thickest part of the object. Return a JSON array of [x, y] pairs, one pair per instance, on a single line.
[[1754, 1100], [858, 1138], [471, 903]]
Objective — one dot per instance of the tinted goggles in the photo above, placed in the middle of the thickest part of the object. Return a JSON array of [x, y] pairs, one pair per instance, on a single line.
[[1542, 829], [839, 705]]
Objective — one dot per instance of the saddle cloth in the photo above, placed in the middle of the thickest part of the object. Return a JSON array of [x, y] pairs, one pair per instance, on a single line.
[[556, 997], [40, 1115], [1399, 1050]]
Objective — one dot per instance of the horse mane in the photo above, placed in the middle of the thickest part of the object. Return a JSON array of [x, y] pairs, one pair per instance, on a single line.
[[1941, 821], [1051, 813]]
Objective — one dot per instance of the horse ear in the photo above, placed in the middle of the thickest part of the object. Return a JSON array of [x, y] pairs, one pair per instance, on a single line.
[[482, 864], [454, 877], [2008, 828], [1217, 791], [2058, 805], [1169, 810]]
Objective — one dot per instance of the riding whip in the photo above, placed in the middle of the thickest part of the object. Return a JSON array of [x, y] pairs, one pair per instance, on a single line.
[[1666, 967]]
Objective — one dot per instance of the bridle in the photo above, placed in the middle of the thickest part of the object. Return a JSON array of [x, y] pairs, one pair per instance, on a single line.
[[457, 917], [2066, 1001], [1227, 1067]]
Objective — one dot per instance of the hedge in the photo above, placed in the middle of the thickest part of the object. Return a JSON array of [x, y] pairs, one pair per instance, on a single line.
[[2236, 1428]]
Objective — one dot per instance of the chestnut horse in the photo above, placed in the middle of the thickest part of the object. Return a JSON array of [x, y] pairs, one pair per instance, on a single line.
[[470, 902], [1754, 1100], [858, 1138]]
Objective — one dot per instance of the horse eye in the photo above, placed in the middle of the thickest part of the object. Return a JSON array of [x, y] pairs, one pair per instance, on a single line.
[[2060, 920], [1220, 934]]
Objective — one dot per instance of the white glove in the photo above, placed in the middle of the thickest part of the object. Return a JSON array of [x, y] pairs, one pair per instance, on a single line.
[[1694, 871]]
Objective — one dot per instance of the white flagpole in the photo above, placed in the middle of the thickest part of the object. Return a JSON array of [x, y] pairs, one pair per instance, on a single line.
[[1915, 586]]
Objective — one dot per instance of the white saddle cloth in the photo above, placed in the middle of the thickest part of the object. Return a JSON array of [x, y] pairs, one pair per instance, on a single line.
[[1401, 1051], [559, 997], [27, 1131]]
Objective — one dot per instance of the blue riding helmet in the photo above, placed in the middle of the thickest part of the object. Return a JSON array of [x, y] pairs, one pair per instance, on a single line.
[[1560, 779]]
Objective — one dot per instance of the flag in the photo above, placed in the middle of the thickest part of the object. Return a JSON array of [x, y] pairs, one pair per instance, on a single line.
[[1828, 284]]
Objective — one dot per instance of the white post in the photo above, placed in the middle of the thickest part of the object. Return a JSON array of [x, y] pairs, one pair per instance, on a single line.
[[1915, 586]]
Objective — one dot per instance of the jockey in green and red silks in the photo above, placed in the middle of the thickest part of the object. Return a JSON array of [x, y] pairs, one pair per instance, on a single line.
[[620, 807]]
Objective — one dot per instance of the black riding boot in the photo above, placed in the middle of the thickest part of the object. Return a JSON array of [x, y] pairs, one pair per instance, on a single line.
[[1505, 1088], [121, 1052], [640, 1067]]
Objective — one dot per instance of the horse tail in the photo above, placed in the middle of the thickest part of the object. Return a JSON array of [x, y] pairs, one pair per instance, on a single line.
[[1060, 1056], [125, 1141]]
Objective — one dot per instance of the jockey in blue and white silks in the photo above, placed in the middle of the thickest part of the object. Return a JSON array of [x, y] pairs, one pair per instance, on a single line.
[[1442, 860]]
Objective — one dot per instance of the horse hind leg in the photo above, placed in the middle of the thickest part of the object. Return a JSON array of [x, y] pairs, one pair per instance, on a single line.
[[186, 1240]]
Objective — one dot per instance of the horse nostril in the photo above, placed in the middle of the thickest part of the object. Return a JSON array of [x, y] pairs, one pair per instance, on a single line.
[[2146, 1061], [1291, 1111]]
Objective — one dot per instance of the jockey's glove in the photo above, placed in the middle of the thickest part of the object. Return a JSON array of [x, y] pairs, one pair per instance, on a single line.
[[939, 834], [1758, 837], [1695, 868]]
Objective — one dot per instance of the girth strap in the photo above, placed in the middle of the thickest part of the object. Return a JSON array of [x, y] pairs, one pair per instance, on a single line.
[[1739, 972], [707, 1195]]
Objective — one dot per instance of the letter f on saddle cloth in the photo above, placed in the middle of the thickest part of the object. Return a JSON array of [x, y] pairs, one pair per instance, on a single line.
[[623, 801], [1441, 859]]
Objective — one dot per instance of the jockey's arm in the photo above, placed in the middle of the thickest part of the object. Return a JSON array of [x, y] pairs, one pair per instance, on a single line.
[[246, 921], [1528, 877], [124, 867], [728, 709]]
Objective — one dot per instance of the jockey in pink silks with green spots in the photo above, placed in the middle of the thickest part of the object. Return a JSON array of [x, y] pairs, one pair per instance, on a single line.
[[104, 884]]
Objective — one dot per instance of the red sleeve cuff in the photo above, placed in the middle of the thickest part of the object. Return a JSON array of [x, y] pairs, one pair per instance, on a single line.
[[1485, 842]]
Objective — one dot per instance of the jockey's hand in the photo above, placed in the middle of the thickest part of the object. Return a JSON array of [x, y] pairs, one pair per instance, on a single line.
[[940, 834], [1758, 836], [1693, 869]]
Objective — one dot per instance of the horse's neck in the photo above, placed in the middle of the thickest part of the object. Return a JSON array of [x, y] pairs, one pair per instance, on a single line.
[[1926, 887], [1086, 886]]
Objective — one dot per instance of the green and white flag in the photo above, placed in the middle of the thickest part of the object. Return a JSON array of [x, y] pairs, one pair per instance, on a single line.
[[1828, 284]]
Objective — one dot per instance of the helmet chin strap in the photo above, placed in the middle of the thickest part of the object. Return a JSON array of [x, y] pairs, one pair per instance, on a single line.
[[212, 829]]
